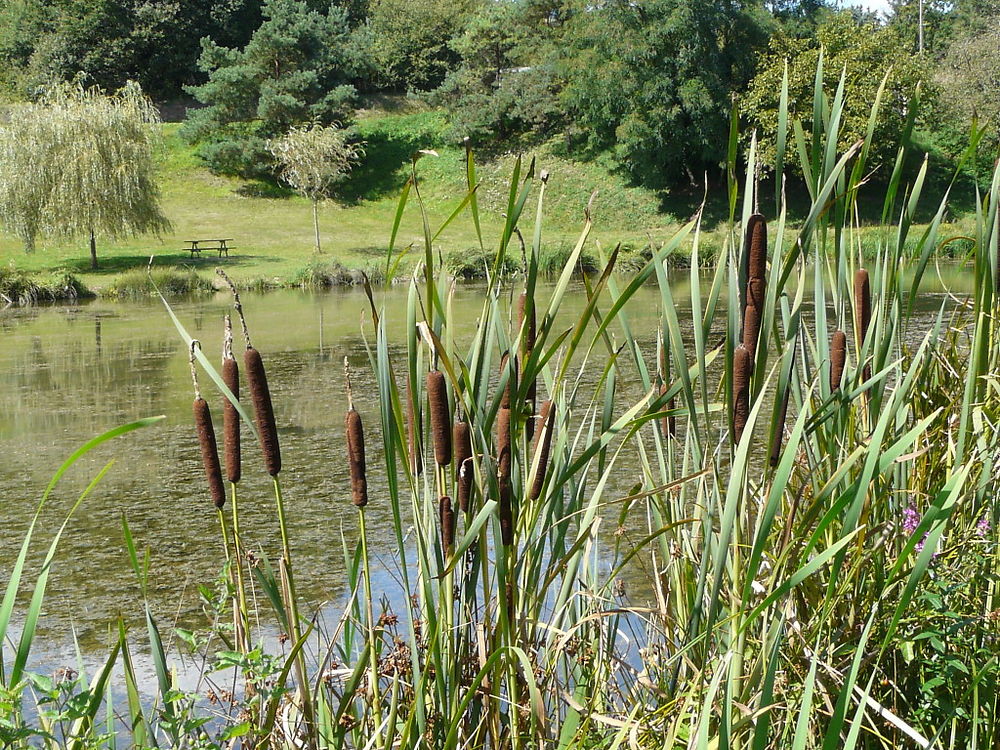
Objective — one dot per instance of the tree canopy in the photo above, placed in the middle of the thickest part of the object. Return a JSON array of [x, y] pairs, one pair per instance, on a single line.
[[865, 53], [79, 162], [298, 67]]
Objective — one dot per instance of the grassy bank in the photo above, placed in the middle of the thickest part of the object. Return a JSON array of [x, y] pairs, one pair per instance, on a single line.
[[272, 230]]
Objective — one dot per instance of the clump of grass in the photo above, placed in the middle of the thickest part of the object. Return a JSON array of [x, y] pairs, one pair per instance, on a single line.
[[326, 274], [470, 264], [21, 288], [171, 282], [553, 259]]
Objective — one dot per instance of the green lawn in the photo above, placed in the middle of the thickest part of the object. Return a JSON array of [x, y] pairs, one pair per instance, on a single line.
[[273, 231]]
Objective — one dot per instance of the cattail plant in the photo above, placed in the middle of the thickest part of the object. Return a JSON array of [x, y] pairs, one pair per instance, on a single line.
[[356, 455], [462, 439], [209, 451], [511, 386], [232, 452], [753, 311], [206, 441], [231, 417], [503, 477], [447, 518], [752, 315], [862, 311], [263, 410], [543, 442], [742, 368], [437, 397], [838, 358], [260, 394]]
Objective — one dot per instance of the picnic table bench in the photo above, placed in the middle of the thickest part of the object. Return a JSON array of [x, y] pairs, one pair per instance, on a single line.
[[222, 246]]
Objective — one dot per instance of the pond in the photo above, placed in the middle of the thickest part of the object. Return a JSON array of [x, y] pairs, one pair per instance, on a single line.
[[69, 373]]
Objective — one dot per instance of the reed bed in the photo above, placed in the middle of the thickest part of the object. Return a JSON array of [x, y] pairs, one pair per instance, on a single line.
[[805, 559]]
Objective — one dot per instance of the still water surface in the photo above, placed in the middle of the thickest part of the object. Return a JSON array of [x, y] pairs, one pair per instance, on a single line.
[[69, 373]]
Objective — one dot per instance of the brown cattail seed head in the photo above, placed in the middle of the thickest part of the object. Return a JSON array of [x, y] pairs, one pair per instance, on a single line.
[[752, 315], [742, 366], [447, 524], [838, 358], [356, 457], [527, 345], [437, 395], [543, 442], [413, 431], [263, 410], [463, 462], [757, 247], [503, 441], [231, 420], [511, 381], [503, 477], [209, 451], [506, 511], [863, 309]]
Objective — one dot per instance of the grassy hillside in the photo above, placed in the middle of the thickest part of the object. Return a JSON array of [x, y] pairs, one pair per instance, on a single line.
[[272, 227]]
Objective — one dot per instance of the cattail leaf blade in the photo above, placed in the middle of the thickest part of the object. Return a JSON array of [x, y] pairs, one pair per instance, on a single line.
[[231, 421]]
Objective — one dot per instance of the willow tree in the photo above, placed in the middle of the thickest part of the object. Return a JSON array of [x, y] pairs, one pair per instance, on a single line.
[[312, 159], [81, 163]]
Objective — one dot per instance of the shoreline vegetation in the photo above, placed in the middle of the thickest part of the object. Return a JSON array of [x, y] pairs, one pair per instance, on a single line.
[[24, 288]]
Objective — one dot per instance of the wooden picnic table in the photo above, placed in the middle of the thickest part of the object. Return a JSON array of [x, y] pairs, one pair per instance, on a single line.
[[221, 245]]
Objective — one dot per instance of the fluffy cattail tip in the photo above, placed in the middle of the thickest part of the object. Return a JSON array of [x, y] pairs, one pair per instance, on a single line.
[[356, 457], [263, 410], [209, 451]]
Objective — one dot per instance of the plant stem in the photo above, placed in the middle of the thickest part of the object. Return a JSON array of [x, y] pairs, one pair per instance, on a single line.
[[372, 650]]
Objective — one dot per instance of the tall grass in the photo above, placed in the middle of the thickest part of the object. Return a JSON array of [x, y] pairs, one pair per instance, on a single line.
[[805, 557]]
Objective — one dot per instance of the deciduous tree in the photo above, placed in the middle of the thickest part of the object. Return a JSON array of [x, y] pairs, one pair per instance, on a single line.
[[312, 159], [79, 162]]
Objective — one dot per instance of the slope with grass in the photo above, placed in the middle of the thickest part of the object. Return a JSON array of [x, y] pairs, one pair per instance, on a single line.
[[271, 226]]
